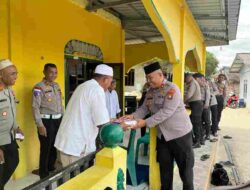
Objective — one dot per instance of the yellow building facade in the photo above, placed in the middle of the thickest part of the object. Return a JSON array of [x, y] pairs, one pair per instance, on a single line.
[[33, 33]]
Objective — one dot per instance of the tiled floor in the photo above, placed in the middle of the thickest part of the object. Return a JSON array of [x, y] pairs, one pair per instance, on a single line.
[[200, 170], [22, 183]]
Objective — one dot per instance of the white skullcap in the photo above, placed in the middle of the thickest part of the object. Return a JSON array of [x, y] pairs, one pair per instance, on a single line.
[[5, 63], [104, 70]]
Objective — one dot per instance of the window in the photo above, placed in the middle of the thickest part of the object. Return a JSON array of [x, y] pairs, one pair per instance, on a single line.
[[245, 89], [130, 78]]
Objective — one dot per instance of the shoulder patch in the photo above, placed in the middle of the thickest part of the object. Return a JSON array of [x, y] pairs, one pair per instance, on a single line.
[[170, 93], [37, 91]]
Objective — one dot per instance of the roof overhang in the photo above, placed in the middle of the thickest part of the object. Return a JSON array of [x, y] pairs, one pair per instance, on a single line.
[[240, 60], [217, 19], [236, 67]]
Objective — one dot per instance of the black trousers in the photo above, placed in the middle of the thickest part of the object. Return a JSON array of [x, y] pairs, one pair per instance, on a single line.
[[48, 153], [220, 106], [11, 158], [214, 113], [196, 114], [181, 151], [206, 122]]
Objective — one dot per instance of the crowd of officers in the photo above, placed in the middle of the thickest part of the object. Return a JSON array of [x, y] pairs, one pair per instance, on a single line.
[[73, 132], [47, 111], [206, 99]]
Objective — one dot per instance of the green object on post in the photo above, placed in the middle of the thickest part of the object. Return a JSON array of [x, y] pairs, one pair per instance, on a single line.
[[111, 134], [131, 158], [143, 140], [120, 180]]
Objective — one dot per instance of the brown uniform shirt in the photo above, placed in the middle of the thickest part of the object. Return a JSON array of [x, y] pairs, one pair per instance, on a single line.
[[193, 92], [213, 91], [47, 99], [222, 89], [205, 95], [7, 116], [167, 111]]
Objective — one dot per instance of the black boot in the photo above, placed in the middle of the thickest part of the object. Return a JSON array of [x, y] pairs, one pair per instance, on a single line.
[[196, 145]]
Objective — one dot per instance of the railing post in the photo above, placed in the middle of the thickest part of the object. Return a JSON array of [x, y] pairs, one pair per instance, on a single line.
[[110, 167]]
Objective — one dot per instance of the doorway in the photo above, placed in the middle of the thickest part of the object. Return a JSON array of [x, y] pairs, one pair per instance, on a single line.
[[78, 70]]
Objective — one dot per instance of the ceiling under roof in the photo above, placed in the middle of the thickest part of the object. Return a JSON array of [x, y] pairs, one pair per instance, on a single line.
[[218, 19]]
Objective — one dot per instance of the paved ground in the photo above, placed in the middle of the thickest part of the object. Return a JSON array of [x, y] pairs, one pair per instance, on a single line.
[[236, 123], [201, 168]]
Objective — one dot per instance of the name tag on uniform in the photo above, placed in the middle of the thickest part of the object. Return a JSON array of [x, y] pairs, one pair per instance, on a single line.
[[48, 91], [160, 96]]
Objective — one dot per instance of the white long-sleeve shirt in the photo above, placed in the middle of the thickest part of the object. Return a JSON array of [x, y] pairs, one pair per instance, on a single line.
[[85, 111], [112, 103]]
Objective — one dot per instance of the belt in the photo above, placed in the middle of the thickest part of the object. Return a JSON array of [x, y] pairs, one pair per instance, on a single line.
[[51, 116]]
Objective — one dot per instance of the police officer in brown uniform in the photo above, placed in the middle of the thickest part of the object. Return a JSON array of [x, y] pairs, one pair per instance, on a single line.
[[221, 96], [47, 111], [205, 98], [9, 157], [213, 107], [192, 97], [174, 139]]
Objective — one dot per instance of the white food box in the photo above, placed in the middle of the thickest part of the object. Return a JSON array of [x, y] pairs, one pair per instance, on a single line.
[[19, 136], [130, 122]]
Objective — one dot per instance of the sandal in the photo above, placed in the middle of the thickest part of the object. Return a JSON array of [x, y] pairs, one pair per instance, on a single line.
[[205, 157], [213, 140], [227, 163], [227, 137]]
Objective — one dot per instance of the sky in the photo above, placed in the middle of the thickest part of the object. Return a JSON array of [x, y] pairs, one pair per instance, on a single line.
[[226, 54]]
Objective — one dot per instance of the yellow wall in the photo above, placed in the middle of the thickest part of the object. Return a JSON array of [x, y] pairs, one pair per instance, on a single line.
[[180, 31], [138, 53], [191, 62], [38, 32], [4, 28], [103, 174]]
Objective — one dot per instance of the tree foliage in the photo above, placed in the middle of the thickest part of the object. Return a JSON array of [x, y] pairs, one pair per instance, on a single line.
[[211, 64]]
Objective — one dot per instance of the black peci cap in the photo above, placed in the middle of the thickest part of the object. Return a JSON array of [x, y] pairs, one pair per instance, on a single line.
[[198, 75], [187, 75], [152, 67]]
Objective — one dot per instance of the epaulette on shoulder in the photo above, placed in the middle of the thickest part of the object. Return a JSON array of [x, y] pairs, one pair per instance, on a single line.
[[168, 84], [39, 85], [56, 84]]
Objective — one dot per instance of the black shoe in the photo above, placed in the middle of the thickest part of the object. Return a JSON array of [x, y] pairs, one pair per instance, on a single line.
[[196, 145], [52, 169], [202, 142], [207, 137], [215, 134]]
